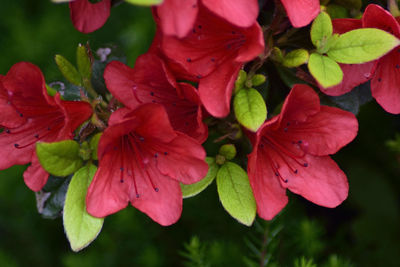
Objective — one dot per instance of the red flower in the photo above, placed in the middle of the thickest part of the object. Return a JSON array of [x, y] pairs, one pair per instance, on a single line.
[[291, 152], [301, 12], [150, 81], [353, 74], [142, 160], [213, 53], [88, 17], [385, 83], [37, 116], [177, 17]]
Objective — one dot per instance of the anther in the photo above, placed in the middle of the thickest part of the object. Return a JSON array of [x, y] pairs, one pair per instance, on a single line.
[[121, 169], [189, 60], [16, 145], [156, 189], [152, 93], [137, 195], [213, 59], [285, 181], [379, 79], [305, 164], [121, 181], [285, 129], [296, 171], [141, 139], [156, 155], [198, 76], [8, 131], [37, 136]]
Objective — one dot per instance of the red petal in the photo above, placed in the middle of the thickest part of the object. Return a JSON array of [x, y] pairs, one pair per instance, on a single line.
[[301, 12], [177, 17], [242, 13], [322, 182], [118, 78], [9, 118], [353, 75], [385, 84], [269, 194], [326, 132], [344, 25], [88, 17], [35, 176], [77, 112], [182, 159], [377, 17], [215, 90], [106, 194], [301, 102]]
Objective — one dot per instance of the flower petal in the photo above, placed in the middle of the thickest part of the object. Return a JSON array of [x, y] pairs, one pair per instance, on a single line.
[[215, 90], [326, 132], [182, 159], [301, 12], [376, 17], [321, 182], [242, 13], [385, 84], [177, 17], [35, 176], [88, 17], [269, 194]]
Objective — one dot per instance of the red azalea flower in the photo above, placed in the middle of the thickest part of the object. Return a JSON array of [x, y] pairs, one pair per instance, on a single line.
[[353, 74], [150, 81], [385, 83], [291, 152], [141, 161], [39, 117], [301, 12], [177, 17], [88, 17], [213, 53]]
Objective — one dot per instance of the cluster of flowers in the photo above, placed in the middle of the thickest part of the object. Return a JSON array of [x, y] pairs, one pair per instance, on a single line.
[[153, 143]]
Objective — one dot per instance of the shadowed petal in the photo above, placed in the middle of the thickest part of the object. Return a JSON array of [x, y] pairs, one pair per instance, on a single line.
[[301, 12], [88, 17], [35, 176]]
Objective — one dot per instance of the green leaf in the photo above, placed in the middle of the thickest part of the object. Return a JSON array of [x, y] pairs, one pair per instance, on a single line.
[[295, 58], [362, 45], [80, 227], [83, 62], [321, 29], [144, 2], [326, 71], [250, 108], [94, 143], [61, 1], [190, 190], [60, 158], [50, 90], [68, 70], [235, 193]]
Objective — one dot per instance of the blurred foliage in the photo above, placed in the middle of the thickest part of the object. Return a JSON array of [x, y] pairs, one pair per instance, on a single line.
[[363, 231]]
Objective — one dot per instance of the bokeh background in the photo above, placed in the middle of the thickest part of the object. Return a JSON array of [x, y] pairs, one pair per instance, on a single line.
[[363, 231]]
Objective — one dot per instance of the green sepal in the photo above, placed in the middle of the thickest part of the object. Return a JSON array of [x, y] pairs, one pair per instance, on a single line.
[[51, 91], [228, 151], [295, 58], [250, 108], [241, 79], [68, 70], [190, 190], [80, 227], [60, 158], [94, 143], [145, 2], [258, 79], [326, 71], [321, 29], [83, 62], [362, 45], [235, 193]]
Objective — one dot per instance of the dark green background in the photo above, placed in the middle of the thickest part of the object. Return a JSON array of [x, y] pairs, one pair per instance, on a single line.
[[364, 230]]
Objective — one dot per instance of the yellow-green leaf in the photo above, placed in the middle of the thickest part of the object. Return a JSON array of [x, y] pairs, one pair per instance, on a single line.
[[68, 70], [321, 29], [60, 158], [144, 2], [250, 108], [326, 71], [235, 193], [80, 227], [295, 58], [362, 45]]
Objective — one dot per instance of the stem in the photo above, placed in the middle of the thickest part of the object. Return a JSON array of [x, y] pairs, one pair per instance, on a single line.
[[264, 246], [394, 8]]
